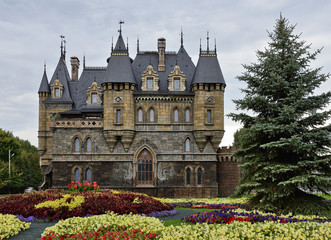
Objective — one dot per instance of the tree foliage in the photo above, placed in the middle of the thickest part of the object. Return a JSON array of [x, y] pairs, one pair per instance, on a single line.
[[285, 147], [25, 169]]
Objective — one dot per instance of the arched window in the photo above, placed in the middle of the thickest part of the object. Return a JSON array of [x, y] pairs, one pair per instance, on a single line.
[[140, 115], [77, 145], [88, 145], [88, 175], [187, 145], [187, 115], [145, 168], [151, 115], [188, 176], [176, 115], [199, 176], [77, 175]]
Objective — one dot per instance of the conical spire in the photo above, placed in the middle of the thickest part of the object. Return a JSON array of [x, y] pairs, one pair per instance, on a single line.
[[44, 86], [119, 69], [120, 46]]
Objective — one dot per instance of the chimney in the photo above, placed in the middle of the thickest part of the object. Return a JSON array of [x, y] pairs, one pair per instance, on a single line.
[[74, 68], [161, 44]]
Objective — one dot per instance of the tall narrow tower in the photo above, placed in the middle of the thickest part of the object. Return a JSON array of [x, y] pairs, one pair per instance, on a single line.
[[118, 87], [208, 85]]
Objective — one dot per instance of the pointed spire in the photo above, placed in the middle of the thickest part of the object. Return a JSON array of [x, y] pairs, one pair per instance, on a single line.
[[181, 37], [138, 44], [207, 42], [44, 86], [120, 46]]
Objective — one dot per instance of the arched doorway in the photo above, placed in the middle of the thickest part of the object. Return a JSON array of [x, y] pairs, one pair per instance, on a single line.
[[145, 169]]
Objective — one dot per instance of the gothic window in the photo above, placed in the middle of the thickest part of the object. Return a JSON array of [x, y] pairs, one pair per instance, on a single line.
[[77, 175], [187, 115], [176, 115], [145, 168], [187, 145], [88, 175], [140, 115], [199, 176], [149, 83], [188, 176], [149, 80], [77, 145], [88, 145], [118, 116], [151, 115], [208, 116]]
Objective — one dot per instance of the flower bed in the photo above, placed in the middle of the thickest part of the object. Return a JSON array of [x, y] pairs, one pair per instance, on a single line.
[[228, 215], [10, 226], [54, 205]]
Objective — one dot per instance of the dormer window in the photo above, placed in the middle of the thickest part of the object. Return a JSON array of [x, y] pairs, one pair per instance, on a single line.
[[94, 97], [57, 89], [57, 92], [149, 80], [93, 94], [149, 83], [176, 80], [176, 84]]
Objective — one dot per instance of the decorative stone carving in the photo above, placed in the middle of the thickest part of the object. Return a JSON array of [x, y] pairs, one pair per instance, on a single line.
[[57, 89], [174, 75], [118, 99], [210, 100], [150, 74], [94, 89]]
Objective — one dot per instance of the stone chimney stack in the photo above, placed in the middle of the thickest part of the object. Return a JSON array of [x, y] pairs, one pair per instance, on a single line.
[[74, 68], [161, 45]]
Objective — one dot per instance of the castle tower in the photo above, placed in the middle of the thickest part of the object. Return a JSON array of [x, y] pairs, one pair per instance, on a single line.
[[118, 87], [44, 93], [208, 85]]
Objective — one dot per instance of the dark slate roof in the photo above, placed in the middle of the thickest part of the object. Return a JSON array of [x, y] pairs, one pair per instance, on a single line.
[[143, 59], [120, 46], [44, 86], [61, 73], [119, 69], [208, 70], [78, 89]]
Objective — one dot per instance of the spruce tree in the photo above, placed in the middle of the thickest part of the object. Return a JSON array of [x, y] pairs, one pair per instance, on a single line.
[[285, 148]]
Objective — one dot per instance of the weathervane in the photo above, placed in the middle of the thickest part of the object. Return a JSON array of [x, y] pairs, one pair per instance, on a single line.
[[121, 22], [63, 45]]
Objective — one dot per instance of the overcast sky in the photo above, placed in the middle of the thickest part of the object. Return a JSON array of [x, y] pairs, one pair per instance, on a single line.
[[30, 30]]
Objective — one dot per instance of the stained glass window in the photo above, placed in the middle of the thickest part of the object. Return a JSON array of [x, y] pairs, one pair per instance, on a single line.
[[145, 168]]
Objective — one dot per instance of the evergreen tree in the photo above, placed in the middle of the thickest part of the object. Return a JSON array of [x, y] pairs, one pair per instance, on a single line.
[[285, 148]]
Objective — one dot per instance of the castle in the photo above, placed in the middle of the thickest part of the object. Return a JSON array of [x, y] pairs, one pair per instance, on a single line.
[[153, 124]]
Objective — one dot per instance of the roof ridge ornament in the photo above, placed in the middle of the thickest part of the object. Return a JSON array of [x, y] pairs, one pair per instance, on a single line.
[[63, 47], [207, 42]]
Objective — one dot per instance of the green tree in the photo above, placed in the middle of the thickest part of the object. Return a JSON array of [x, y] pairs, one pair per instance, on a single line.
[[25, 169], [285, 148]]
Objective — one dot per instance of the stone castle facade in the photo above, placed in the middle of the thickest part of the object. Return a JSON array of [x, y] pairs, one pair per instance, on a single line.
[[152, 124]]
